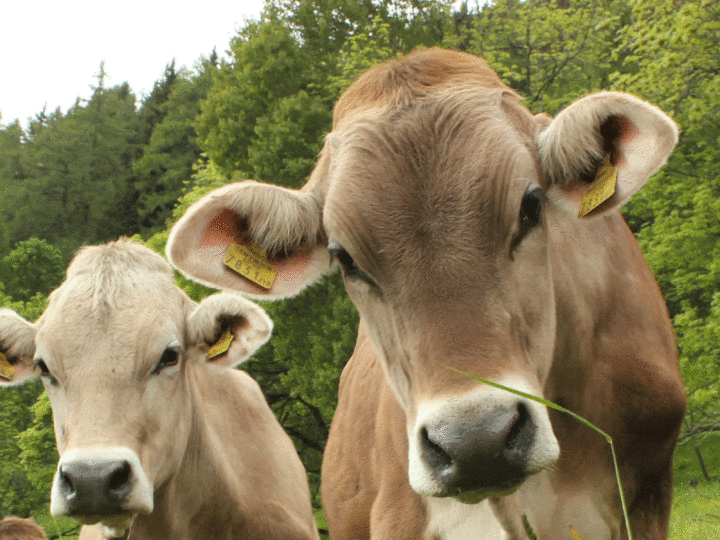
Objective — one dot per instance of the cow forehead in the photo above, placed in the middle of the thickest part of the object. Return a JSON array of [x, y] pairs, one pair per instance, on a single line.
[[114, 297], [434, 187]]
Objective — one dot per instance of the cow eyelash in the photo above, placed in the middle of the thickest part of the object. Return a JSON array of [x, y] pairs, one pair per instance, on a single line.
[[170, 357]]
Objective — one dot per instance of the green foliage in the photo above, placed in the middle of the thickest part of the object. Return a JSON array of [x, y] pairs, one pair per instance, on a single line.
[[265, 67], [30, 310], [695, 515], [325, 26], [168, 156], [78, 184], [13, 169], [293, 129], [550, 53], [674, 49], [38, 453], [361, 52], [153, 109], [17, 494], [33, 267], [206, 178]]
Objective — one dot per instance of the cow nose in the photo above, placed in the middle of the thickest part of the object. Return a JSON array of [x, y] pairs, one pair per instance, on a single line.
[[480, 454], [98, 482], [95, 488]]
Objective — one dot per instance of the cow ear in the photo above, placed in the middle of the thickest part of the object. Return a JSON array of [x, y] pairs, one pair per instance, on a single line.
[[277, 231], [633, 136], [228, 328], [17, 348]]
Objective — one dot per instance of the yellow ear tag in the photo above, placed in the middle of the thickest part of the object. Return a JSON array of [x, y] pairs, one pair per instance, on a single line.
[[222, 345], [575, 534], [601, 189], [6, 370], [250, 261]]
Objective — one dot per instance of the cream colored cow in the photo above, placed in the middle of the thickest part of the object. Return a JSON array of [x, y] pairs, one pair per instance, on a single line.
[[155, 440], [454, 215]]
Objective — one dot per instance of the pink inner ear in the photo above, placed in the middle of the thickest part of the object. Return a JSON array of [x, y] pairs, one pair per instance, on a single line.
[[224, 229], [292, 268], [228, 228], [626, 132]]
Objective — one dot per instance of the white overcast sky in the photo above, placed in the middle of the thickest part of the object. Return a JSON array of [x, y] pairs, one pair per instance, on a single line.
[[50, 51]]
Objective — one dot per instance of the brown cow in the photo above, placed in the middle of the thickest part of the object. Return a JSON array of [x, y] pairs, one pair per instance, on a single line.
[[156, 441], [453, 213]]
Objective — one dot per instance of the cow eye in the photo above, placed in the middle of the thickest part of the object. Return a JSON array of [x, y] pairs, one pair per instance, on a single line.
[[350, 270], [339, 254], [530, 213], [170, 357], [531, 207], [44, 371]]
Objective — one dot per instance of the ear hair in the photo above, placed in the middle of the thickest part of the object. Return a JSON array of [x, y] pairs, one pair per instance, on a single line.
[[577, 140], [637, 136], [219, 312], [17, 343], [17, 336], [285, 223], [257, 206]]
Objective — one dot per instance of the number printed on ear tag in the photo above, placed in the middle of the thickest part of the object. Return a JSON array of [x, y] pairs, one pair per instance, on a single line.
[[6, 369], [250, 261], [601, 189], [222, 345]]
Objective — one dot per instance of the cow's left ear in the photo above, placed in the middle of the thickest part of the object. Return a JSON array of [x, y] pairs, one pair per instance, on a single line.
[[228, 328], [632, 135], [17, 348]]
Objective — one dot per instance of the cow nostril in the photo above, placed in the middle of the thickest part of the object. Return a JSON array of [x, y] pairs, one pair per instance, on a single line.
[[520, 435], [436, 456], [67, 483], [120, 479]]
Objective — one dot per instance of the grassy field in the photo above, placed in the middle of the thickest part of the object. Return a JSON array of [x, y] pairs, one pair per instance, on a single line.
[[696, 507]]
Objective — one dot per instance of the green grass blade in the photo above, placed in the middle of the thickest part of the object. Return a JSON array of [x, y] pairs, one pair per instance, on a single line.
[[579, 418]]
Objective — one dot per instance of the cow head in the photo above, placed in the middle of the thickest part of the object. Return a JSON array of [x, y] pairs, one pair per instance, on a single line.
[[120, 349], [437, 194]]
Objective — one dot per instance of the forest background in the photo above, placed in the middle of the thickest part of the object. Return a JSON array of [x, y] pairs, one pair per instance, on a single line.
[[115, 165]]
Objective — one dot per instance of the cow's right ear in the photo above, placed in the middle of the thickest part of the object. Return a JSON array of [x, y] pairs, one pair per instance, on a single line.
[[228, 328], [285, 223], [605, 136], [17, 346]]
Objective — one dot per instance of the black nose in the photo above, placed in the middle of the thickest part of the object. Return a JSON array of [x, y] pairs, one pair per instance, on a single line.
[[480, 454], [95, 488]]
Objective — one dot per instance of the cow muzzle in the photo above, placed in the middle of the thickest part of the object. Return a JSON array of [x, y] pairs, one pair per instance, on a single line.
[[479, 445], [105, 485]]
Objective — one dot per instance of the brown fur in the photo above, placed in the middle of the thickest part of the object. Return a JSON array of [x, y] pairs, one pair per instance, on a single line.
[[409, 157]]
